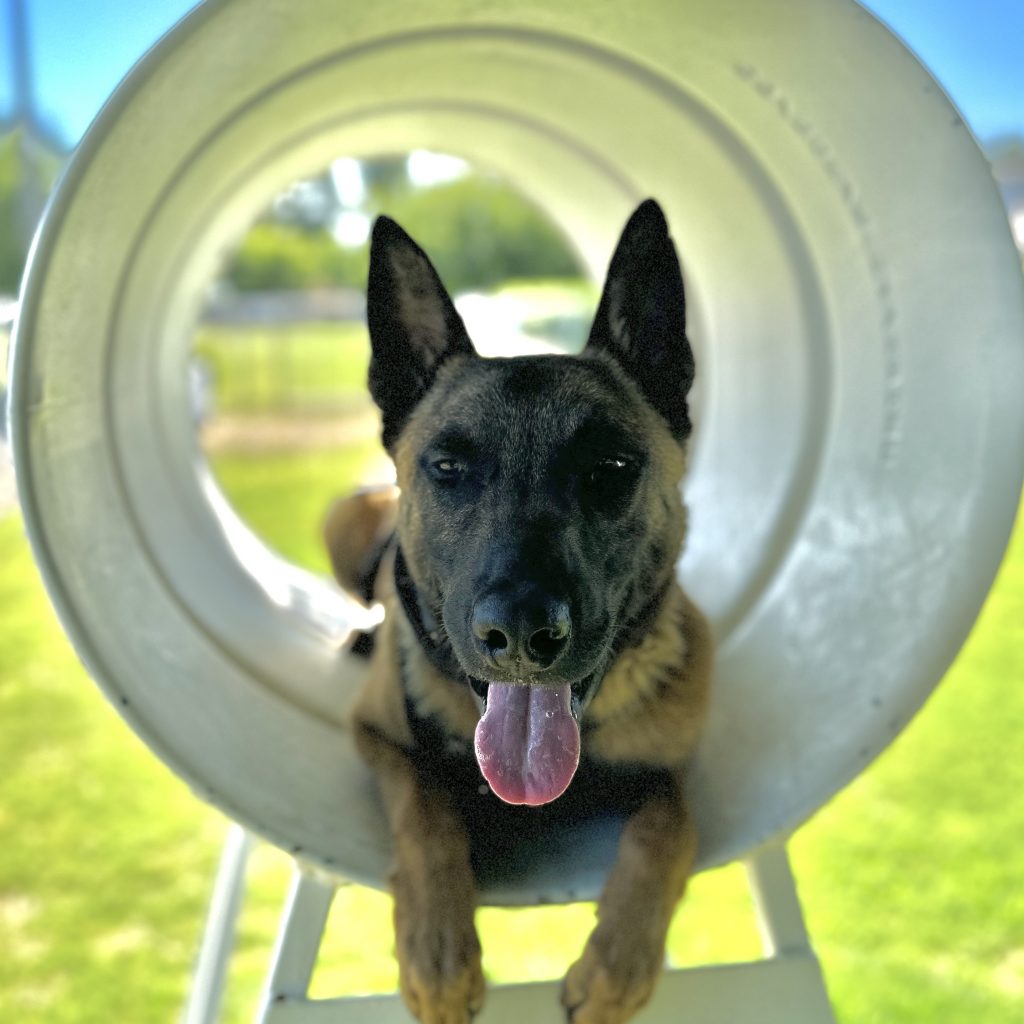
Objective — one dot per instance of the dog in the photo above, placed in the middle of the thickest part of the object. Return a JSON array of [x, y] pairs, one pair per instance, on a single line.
[[537, 652]]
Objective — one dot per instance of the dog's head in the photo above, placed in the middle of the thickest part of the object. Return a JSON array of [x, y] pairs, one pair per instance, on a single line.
[[541, 515]]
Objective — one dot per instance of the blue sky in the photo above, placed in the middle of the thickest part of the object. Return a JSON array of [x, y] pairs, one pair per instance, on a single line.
[[81, 48]]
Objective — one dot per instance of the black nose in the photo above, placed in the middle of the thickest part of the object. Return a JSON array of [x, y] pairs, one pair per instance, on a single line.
[[525, 634]]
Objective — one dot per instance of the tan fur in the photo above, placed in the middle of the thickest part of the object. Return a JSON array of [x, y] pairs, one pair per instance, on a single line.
[[438, 951], [654, 697], [352, 528], [622, 959]]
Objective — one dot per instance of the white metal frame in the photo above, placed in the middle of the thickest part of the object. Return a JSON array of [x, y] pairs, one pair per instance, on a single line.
[[218, 941], [785, 987]]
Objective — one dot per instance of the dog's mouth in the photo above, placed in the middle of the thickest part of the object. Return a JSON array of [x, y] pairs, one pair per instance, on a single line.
[[527, 741]]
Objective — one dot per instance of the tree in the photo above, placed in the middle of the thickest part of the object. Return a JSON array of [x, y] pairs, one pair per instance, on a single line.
[[477, 230]]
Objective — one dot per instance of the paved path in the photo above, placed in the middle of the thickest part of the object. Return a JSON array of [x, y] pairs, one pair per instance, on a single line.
[[268, 434]]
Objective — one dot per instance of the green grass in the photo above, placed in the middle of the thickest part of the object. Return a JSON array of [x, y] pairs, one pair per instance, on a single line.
[[910, 878], [283, 496], [105, 859], [268, 370]]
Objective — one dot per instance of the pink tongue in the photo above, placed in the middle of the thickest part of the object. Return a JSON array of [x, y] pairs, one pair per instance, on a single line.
[[528, 743]]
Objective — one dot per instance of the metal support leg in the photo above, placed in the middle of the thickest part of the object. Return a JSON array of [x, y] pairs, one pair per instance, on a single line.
[[785, 988], [783, 931], [218, 939], [298, 944], [779, 917]]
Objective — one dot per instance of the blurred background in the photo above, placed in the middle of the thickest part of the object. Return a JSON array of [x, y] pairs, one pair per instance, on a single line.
[[911, 878]]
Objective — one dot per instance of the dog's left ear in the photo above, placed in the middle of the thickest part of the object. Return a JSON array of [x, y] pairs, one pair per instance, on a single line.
[[641, 319], [413, 324]]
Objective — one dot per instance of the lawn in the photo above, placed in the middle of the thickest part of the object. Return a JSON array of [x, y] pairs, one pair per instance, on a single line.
[[261, 370], [911, 878]]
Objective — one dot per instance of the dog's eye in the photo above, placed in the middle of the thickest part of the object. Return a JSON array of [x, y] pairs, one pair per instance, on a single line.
[[447, 469], [610, 470], [611, 479]]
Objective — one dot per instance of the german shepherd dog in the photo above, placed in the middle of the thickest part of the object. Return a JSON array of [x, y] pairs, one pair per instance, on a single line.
[[535, 641]]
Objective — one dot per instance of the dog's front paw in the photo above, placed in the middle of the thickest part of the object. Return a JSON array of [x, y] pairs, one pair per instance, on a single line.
[[438, 958], [613, 978]]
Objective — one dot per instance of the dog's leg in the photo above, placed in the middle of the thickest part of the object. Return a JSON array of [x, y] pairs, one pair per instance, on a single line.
[[432, 882], [620, 964]]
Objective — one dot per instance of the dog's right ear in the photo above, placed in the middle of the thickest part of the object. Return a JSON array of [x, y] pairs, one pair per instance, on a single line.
[[641, 318], [413, 324]]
